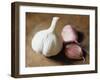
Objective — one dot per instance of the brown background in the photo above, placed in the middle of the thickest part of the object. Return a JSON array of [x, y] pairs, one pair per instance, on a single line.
[[39, 21]]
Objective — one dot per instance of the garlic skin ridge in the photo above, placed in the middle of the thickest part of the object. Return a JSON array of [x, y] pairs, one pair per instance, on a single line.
[[46, 41]]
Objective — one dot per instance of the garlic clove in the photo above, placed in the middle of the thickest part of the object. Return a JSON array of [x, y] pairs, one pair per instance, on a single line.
[[69, 34], [37, 41], [52, 45], [73, 51]]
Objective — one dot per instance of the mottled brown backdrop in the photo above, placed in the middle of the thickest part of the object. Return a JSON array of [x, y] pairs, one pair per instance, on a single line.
[[39, 21]]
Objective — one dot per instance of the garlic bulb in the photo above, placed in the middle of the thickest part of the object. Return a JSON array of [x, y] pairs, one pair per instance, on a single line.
[[46, 41]]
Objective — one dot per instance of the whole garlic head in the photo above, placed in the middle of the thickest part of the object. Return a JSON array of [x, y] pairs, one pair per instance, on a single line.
[[47, 42]]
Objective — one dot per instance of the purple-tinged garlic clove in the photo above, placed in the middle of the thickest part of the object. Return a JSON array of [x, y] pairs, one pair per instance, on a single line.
[[73, 51], [69, 34]]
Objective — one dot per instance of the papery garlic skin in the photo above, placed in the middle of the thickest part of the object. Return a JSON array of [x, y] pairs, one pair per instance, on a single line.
[[47, 42]]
